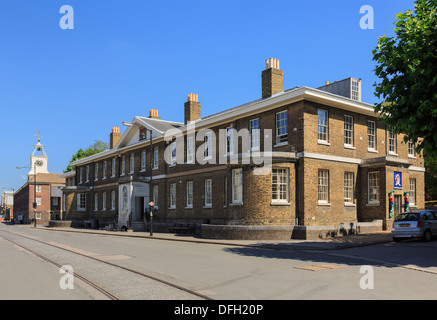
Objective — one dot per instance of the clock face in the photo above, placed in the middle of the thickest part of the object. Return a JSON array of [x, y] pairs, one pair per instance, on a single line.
[[39, 163]]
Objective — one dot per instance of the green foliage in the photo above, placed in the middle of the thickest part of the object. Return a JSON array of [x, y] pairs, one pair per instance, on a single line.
[[407, 67], [431, 178], [96, 147]]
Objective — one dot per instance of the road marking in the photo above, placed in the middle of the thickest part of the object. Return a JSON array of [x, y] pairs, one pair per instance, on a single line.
[[321, 267]]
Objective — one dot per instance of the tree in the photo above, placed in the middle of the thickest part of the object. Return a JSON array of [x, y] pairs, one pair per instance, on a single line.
[[96, 147], [407, 66]]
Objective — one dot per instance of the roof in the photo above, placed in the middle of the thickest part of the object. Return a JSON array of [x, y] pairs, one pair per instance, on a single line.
[[50, 178], [256, 106]]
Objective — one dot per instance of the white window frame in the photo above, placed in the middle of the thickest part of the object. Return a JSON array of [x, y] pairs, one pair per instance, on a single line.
[[123, 166], [155, 158], [114, 161], [81, 202], [208, 146], [392, 143], [125, 198], [189, 194], [132, 163], [230, 140], [38, 188], [87, 174], [172, 196], [208, 193], [348, 131], [412, 191], [143, 160], [96, 171], [237, 186], [373, 183], [280, 185], [96, 201], [411, 149], [173, 154], [282, 127], [322, 123], [155, 195], [105, 168], [190, 149], [349, 179], [104, 201], [38, 201], [323, 186], [254, 134], [371, 135], [113, 200], [81, 175]]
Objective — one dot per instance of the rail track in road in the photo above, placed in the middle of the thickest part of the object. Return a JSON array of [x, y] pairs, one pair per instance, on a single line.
[[90, 282]]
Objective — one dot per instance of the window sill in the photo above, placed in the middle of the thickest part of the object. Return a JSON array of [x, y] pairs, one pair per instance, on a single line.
[[280, 203], [280, 144], [236, 203], [349, 204], [171, 208], [393, 154], [323, 143], [348, 146], [411, 157], [372, 150], [207, 207], [373, 204], [323, 203], [189, 207]]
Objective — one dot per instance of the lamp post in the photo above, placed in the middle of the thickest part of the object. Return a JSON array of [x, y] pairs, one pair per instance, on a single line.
[[35, 204]]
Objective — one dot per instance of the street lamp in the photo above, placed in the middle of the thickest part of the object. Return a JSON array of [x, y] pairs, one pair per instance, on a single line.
[[34, 192], [128, 124]]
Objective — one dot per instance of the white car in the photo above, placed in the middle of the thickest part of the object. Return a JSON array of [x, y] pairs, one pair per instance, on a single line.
[[420, 224]]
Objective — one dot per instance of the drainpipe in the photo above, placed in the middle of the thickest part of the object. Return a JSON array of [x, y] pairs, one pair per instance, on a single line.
[[296, 178]]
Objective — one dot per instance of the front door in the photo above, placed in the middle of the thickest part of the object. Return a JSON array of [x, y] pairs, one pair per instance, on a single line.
[[398, 204], [139, 208]]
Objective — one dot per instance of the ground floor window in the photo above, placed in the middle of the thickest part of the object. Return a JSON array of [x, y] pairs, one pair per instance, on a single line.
[[173, 195], [348, 187], [208, 193], [81, 201], [323, 186], [113, 200], [125, 198], [373, 187], [280, 185], [237, 185], [412, 191], [189, 194]]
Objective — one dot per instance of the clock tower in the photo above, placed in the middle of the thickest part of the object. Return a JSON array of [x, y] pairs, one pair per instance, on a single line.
[[38, 159]]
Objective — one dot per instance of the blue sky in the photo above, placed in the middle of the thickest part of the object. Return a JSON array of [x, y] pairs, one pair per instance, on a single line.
[[125, 57]]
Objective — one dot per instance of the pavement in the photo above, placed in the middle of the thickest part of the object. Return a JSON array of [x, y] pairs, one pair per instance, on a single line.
[[337, 243]]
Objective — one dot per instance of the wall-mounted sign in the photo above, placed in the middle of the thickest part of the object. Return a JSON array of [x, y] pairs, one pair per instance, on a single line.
[[398, 179]]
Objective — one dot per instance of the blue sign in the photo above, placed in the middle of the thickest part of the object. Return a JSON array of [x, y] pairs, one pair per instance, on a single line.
[[398, 179]]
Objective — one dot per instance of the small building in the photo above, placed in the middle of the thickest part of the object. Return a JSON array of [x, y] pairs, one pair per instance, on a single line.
[[296, 163], [42, 189]]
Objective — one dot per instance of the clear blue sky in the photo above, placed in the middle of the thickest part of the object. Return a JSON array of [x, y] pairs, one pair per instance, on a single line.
[[125, 57]]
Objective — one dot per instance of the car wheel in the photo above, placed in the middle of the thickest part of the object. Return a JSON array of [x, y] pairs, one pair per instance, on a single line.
[[397, 239], [427, 236]]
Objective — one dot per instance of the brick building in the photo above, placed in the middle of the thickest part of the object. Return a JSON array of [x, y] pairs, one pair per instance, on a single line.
[[45, 191], [302, 162]]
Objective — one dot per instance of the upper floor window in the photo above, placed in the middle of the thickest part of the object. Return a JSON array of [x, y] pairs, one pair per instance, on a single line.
[[371, 135], [143, 161], [81, 175], [355, 92], [190, 149], [173, 154], [132, 163], [105, 167], [322, 131], [282, 127], [208, 145], [348, 130], [392, 142], [254, 134], [87, 173], [123, 165], [411, 149], [155, 158], [113, 168], [96, 171]]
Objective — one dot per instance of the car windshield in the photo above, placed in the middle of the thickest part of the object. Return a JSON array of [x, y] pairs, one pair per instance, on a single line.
[[408, 216]]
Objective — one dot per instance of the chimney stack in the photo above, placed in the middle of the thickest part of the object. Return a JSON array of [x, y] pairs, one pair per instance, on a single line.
[[192, 108], [153, 114], [272, 79], [114, 137]]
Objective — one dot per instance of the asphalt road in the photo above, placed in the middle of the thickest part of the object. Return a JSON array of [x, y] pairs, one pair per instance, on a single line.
[[406, 270]]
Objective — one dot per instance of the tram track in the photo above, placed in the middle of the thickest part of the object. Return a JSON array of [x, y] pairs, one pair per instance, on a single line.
[[89, 282]]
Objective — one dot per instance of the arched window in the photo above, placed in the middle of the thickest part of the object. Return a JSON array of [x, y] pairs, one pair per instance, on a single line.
[[125, 198]]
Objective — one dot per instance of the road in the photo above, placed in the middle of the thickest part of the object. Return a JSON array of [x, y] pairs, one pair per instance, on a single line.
[[147, 269]]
